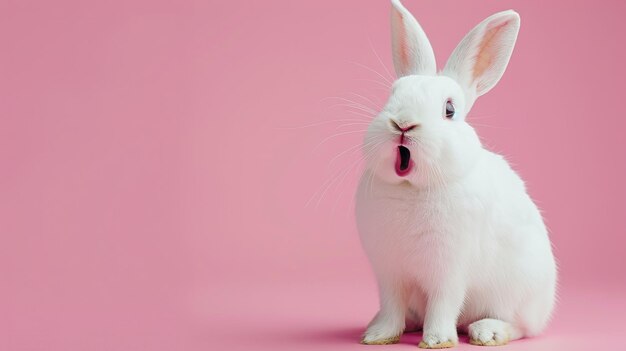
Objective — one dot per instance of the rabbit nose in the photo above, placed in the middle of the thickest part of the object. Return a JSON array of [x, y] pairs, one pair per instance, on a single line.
[[403, 127]]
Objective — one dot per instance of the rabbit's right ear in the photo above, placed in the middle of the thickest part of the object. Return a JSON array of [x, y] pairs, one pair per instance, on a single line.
[[479, 61], [412, 53]]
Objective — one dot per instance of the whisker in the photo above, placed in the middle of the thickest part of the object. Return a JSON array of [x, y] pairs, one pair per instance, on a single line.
[[367, 156], [372, 70], [372, 177], [379, 60], [326, 184], [350, 103], [336, 135], [352, 124], [323, 123], [363, 158], [481, 116], [489, 126], [359, 145], [369, 117], [375, 105], [386, 86], [323, 186], [350, 166], [365, 109]]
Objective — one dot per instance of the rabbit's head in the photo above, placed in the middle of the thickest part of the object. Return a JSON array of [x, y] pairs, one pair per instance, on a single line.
[[421, 135]]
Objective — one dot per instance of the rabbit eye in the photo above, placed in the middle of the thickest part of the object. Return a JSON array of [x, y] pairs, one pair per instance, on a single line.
[[449, 109]]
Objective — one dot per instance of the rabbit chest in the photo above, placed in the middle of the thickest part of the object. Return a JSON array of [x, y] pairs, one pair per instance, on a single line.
[[419, 233]]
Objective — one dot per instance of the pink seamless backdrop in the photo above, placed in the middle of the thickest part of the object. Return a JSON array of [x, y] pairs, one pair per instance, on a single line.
[[164, 169]]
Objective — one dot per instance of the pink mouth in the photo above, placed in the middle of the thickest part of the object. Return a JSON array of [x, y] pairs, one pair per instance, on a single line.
[[404, 163]]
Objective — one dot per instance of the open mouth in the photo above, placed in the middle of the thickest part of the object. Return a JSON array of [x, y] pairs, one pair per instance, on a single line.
[[404, 164]]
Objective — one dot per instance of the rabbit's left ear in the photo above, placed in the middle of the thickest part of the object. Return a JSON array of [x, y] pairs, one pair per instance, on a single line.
[[412, 53], [480, 59]]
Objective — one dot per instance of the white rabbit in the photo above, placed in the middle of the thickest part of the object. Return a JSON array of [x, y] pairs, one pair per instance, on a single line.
[[453, 238]]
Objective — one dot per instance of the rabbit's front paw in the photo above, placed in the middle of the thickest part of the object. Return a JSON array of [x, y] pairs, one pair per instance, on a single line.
[[438, 340], [381, 334]]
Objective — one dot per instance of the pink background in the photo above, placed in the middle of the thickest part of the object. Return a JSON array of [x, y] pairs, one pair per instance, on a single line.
[[157, 167]]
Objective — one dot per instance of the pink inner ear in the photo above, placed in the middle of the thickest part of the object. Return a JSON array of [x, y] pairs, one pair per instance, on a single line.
[[487, 49], [401, 35]]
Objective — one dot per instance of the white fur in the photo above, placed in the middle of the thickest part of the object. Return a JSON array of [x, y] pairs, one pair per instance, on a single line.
[[412, 52], [457, 242]]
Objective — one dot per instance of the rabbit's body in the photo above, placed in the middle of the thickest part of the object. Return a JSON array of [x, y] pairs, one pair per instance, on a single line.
[[481, 237], [452, 235]]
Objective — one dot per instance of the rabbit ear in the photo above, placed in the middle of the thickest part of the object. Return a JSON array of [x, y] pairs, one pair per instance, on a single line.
[[412, 53], [480, 59]]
